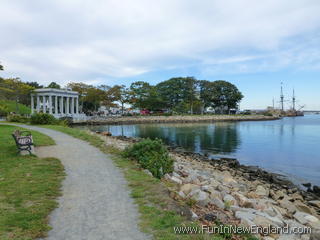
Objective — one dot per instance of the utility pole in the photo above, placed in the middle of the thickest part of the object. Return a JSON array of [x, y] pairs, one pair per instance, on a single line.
[[293, 101], [281, 98]]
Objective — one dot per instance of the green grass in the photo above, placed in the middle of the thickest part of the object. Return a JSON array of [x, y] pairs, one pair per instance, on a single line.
[[29, 187], [159, 212], [11, 105]]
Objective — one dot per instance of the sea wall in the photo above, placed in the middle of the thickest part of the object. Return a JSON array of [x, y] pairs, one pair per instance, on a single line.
[[174, 119]]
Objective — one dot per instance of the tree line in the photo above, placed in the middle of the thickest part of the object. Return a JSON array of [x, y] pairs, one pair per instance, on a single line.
[[180, 94]]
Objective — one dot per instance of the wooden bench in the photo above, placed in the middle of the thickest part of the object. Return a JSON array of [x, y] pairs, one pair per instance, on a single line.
[[23, 141]]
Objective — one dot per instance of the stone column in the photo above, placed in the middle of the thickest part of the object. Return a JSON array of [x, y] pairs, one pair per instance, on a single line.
[[72, 106], [38, 103], [61, 104], [44, 104], [77, 105], [56, 104], [68, 106], [50, 104], [32, 104]]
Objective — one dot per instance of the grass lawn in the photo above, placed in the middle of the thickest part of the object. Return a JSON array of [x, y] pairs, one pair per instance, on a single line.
[[28, 188], [158, 210], [11, 105]]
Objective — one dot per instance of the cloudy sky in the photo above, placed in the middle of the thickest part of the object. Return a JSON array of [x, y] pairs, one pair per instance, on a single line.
[[254, 44]]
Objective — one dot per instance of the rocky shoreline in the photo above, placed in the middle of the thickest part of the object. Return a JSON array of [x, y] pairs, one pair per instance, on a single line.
[[225, 191], [173, 119]]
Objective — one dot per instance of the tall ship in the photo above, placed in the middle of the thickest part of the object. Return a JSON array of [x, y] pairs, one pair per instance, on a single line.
[[293, 111]]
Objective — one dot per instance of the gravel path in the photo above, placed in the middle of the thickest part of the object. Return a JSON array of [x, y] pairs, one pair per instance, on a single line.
[[95, 204]]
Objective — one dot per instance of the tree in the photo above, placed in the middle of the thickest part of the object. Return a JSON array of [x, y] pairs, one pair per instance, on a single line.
[[1, 67], [119, 93], [179, 93], [54, 85], [34, 84], [139, 93], [221, 95], [14, 89]]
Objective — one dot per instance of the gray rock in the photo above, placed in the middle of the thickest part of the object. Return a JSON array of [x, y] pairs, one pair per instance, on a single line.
[[187, 188], [218, 203], [305, 218], [199, 195], [262, 191], [315, 203], [194, 216], [315, 235], [230, 199], [174, 179], [215, 194]]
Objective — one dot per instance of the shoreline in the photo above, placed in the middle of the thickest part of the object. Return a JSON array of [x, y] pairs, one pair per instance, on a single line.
[[250, 172], [224, 190], [175, 119]]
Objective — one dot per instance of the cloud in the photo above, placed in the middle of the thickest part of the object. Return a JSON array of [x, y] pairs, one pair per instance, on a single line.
[[98, 40]]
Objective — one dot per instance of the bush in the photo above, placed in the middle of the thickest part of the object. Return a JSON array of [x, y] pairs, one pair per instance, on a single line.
[[17, 118], [151, 155], [4, 110], [65, 121], [42, 118]]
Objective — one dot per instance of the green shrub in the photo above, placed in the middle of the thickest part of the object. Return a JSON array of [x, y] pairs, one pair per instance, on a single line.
[[17, 118], [151, 155], [42, 118], [4, 110], [268, 114], [66, 121]]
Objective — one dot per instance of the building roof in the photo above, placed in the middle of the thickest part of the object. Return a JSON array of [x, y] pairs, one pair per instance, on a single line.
[[55, 91]]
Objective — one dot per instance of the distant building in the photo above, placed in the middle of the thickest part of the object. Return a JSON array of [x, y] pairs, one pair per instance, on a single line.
[[58, 102]]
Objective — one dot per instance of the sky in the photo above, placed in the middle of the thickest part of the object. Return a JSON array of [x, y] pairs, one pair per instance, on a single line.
[[254, 44]]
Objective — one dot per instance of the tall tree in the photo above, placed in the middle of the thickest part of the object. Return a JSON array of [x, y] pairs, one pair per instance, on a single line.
[[221, 95], [34, 84], [1, 67], [14, 89], [179, 93], [119, 93], [54, 85]]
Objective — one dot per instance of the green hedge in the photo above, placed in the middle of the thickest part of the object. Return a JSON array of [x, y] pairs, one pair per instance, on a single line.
[[151, 155], [17, 118], [43, 118]]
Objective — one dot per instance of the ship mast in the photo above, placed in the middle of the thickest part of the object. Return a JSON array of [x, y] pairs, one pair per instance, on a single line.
[[281, 98], [293, 101]]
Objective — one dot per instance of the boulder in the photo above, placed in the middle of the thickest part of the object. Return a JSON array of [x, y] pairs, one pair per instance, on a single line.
[[215, 194], [305, 218], [217, 202], [187, 188], [277, 194], [303, 207], [285, 203], [297, 196], [201, 197], [246, 218], [214, 183], [194, 216], [315, 203], [173, 179], [315, 235], [230, 199], [242, 200], [262, 191], [210, 217]]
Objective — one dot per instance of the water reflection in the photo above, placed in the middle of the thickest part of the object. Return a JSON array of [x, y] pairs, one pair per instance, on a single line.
[[289, 146], [219, 138]]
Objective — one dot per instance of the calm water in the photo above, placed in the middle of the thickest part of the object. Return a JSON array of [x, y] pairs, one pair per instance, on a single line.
[[290, 146]]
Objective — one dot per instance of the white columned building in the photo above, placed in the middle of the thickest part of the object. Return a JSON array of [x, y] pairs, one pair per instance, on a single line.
[[58, 102]]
